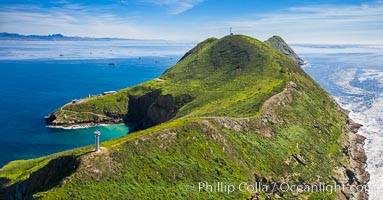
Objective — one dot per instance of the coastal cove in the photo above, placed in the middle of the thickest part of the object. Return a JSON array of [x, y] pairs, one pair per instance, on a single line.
[[31, 89]]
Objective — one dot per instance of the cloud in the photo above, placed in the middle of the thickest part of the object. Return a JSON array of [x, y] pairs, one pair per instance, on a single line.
[[318, 23], [137, 19], [70, 19], [176, 6]]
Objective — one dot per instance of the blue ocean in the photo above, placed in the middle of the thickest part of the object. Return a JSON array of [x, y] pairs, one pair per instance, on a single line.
[[37, 77]]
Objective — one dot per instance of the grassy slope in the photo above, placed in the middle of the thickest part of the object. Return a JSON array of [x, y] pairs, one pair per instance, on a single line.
[[231, 77]]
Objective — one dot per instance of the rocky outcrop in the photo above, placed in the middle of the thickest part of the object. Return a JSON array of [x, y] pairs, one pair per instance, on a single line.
[[41, 180], [270, 107], [49, 119], [279, 44]]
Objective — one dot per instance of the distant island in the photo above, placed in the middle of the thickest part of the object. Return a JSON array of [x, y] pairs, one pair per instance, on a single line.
[[53, 37]]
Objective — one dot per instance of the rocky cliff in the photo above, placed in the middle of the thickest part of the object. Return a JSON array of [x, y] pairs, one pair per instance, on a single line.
[[150, 109]]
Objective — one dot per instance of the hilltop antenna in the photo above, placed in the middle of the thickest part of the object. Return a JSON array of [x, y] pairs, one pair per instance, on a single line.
[[231, 33]]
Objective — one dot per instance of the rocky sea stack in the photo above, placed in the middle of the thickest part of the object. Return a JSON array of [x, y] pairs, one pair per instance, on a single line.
[[233, 111]]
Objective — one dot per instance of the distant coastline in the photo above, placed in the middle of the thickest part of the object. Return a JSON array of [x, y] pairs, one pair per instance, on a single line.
[[55, 37]]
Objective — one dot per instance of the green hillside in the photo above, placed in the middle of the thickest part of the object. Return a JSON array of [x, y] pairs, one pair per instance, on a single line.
[[232, 110]]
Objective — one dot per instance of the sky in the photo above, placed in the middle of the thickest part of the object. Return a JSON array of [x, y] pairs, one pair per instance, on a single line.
[[297, 21]]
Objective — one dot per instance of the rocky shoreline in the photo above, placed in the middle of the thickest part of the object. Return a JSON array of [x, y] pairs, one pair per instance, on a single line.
[[356, 173], [80, 126], [54, 121]]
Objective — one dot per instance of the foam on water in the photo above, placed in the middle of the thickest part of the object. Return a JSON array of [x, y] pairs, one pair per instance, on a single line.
[[371, 118], [77, 126], [343, 78]]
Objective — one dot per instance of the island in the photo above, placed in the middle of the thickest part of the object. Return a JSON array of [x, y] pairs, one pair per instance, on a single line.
[[233, 111]]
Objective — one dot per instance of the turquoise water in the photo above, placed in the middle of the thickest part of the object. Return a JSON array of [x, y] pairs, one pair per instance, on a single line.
[[31, 89]]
